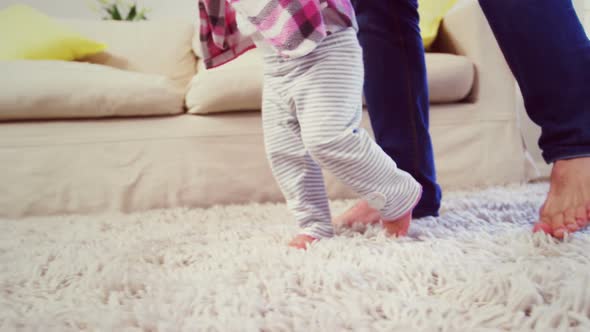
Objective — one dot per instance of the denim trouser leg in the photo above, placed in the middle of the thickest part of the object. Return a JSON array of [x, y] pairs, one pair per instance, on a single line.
[[396, 90], [549, 54]]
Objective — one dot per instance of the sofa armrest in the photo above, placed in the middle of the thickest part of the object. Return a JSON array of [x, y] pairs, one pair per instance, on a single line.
[[465, 31]]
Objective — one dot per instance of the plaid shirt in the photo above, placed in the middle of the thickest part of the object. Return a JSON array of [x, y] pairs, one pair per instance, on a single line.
[[293, 27]]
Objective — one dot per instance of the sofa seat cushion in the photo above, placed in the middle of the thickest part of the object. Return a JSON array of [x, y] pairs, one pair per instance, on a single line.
[[237, 85], [60, 90]]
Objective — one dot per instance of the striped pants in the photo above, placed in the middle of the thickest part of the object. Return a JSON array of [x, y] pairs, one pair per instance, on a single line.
[[312, 108]]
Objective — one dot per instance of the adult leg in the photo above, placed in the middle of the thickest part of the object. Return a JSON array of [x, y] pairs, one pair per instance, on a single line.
[[396, 91], [549, 53]]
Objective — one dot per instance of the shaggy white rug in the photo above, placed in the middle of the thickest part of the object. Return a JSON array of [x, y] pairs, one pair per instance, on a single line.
[[476, 268]]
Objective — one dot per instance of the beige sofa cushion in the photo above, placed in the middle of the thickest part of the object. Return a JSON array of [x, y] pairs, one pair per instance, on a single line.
[[57, 89], [450, 77], [237, 85], [155, 47]]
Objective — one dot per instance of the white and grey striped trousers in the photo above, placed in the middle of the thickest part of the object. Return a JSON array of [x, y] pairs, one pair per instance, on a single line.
[[312, 108]]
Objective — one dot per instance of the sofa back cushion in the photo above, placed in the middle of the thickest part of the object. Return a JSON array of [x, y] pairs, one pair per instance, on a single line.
[[155, 47], [63, 90], [237, 85]]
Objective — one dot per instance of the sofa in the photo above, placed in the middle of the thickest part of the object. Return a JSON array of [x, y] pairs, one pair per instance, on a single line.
[[198, 142]]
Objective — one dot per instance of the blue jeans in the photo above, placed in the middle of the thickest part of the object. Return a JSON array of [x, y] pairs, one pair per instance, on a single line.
[[549, 53], [396, 90]]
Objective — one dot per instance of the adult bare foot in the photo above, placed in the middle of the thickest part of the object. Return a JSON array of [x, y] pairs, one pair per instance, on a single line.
[[301, 241], [567, 207]]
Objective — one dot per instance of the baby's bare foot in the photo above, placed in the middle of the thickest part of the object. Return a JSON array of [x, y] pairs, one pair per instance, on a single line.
[[567, 207], [301, 241], [361, 213], [398, 227]]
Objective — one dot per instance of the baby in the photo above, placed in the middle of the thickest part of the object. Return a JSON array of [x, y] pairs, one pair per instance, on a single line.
[[312, 106]]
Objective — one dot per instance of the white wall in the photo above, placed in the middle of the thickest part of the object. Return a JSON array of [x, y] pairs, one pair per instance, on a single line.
[[83, 8]]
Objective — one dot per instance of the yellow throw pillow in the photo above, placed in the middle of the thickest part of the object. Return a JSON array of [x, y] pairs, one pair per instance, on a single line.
[[431, 15], [31, 35]]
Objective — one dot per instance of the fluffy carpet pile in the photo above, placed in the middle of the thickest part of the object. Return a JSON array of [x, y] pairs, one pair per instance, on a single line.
[[475, 268]]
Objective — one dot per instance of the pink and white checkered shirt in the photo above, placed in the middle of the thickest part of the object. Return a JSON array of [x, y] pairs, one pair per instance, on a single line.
[[293, 27]]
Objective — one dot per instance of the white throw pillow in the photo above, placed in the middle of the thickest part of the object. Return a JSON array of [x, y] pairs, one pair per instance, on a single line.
[[235, 86], [59, 89]]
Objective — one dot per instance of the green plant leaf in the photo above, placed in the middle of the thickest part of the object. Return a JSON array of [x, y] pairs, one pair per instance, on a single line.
[[115, 13], [132, 15], [141, 16], [113, 9]]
